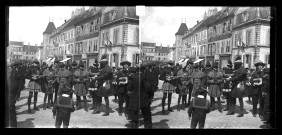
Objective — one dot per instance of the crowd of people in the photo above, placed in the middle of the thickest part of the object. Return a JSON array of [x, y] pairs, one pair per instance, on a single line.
[[135, 86]]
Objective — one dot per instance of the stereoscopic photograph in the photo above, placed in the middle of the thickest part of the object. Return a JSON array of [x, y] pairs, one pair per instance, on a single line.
[[136, 67]]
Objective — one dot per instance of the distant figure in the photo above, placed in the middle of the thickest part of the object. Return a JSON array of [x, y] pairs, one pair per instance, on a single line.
[[198, 109]]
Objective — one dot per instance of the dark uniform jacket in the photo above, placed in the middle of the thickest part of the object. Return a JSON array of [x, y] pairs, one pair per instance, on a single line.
[[150, 79], [103, 75], [239, 76], [134, 86], [33, 70]]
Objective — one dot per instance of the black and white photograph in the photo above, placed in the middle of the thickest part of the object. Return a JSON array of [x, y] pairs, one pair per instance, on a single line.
[[131, 67]]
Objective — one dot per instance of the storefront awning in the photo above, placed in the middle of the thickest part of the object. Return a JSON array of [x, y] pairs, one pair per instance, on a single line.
[[66, 59], [197, 61]]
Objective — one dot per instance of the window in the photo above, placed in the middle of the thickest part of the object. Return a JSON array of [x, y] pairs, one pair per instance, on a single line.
[[114, 15], [89, 45], [236, 38], [222, 46], [91, 26], [110, 16], [116, 33], [227, 46], [26, 52], [248, 37], [213, 49]]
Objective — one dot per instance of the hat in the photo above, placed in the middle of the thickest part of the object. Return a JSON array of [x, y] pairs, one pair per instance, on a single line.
[[215, 65], [35, 61], [208, 64], [74, 63], [238, 59], [91, 67], [190, 61], [56, 60], [81, 63], [259, 63], [61, 65], [125, 62], [119, 68], [151, 64], [132, 69], [229, 63]]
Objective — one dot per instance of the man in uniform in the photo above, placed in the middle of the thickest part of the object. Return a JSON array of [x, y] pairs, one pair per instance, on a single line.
[[240, 75], [150, 79], [228, 72], [34, 84], [139, 99], [64, 76], [56, 83], [80, 81], [122, 91], [104, 75], [92, 86], [190, 84], [72, 70]]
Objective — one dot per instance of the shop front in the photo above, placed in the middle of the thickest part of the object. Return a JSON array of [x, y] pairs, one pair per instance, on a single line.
[[90, 59], [77, 58], [210, 59], [223, 60]]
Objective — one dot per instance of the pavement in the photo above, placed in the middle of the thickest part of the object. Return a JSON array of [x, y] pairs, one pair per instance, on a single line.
[[177, 119]]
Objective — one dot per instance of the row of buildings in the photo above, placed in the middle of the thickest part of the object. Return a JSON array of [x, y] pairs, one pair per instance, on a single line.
[[220, 35], [153, 52], [19, 50], [89, 34]]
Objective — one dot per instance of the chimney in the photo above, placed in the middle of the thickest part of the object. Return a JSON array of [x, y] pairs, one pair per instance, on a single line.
[[197, 22], [72, 14], [65, 20]]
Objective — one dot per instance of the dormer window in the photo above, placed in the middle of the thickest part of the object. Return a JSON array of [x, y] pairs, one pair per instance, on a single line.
[[114, 15], [110, 17]]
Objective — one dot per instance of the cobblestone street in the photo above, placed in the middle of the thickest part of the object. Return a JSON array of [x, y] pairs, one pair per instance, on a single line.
[[82, 119]]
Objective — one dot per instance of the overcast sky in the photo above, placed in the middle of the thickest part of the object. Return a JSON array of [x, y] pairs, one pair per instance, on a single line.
[[160, 24], [28, 23]]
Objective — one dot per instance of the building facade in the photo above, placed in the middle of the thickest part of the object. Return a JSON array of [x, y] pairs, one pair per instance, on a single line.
[[178, 48], [148, 51], [120, 35], [219, 36], [162, 53], [18, 51], [252, 29]]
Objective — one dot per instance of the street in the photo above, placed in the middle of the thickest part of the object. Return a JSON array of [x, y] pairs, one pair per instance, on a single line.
[[82, 119]]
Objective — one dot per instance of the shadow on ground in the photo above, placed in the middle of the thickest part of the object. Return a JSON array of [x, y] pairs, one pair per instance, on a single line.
[[26, 124], [161, 124]]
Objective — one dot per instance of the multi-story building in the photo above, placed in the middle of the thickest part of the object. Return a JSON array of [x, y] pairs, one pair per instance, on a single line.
[[219, 36], [161, 53], [148, 51], [47, 43], [29, 52], [17, 50], [251, 28], [179, 49], [120, 35], [62, 40], [14, 50], [87, 35]]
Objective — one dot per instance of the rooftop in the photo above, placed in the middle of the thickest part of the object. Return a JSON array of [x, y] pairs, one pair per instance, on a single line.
[[50, 28], [182, 28], [161, 49]]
